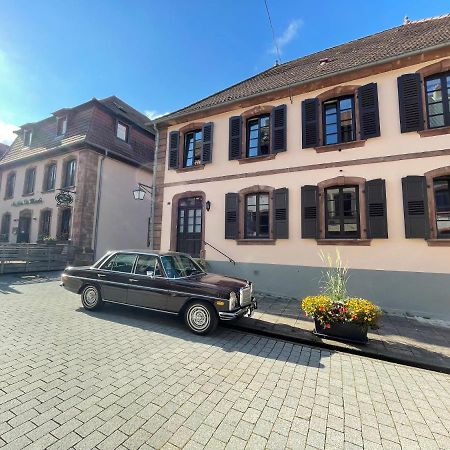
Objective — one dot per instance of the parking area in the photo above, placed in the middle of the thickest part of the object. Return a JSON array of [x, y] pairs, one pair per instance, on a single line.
[[126, 378]]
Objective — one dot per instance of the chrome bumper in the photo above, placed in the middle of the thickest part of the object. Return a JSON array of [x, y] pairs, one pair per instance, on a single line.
[[245, 311]]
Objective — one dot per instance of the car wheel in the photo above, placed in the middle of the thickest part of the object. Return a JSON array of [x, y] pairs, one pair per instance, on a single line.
[[91, 298], [201, 318]]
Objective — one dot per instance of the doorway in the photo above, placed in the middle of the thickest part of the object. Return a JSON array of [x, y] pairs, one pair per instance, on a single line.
[[23, 230], [189, 226]]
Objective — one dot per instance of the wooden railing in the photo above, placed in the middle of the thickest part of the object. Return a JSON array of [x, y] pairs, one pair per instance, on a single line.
[[21, 258]]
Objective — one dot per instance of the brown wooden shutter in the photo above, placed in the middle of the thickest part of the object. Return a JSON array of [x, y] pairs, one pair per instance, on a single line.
[[369, 120], [207, 142], [376, 209], [281, 213], [278, 119], [174, 139], [310, 123], [231, 215], [410, 102], [234, 151], [415, 207], [310, 212]]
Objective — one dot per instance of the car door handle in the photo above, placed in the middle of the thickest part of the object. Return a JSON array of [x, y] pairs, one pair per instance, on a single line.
[[132, 280], [101, 275]]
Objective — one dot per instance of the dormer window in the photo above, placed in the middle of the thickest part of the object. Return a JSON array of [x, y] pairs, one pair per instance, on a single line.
[[61, 126], [27, 134], [122, 131]]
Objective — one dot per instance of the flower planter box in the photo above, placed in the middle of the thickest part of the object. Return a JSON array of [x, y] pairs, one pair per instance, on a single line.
[[350, 332]]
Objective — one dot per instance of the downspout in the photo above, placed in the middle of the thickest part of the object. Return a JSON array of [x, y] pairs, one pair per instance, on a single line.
[[99, 196], [153, 199]]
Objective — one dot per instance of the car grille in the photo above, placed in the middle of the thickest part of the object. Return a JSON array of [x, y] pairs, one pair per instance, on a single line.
[[245, 296]]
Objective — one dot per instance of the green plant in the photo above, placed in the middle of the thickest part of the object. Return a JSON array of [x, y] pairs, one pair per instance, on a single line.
[[48, 239], [334, 278], [333, 305], [201, 262]]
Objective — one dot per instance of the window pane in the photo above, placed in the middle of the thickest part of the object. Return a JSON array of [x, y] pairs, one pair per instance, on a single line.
[[437, 121], [264, 121], [433, 84], [123, 263], [331, 129], [345, 104], [442, 202], [331, 139], [122, 131], [148, 265], [342, 212], [330, 119], [264, 223], [436, 108]]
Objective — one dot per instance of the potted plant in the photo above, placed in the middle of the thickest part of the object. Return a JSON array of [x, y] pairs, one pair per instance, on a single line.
[[48, 240], [336, 314]]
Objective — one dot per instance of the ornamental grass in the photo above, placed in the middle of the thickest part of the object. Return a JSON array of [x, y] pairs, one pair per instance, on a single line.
[[334, 305]]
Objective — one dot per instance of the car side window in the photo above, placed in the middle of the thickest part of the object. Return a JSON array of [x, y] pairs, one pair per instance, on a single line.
[[121, 262], [148, 265]]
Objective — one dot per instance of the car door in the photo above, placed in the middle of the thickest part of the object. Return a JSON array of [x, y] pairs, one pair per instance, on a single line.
[[114, 276], [148, 287]]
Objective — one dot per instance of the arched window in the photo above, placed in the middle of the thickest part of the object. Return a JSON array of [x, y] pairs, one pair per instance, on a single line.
[[257, 216], [342, 212]]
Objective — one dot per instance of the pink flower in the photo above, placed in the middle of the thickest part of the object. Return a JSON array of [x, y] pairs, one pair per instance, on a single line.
[[327, 325]]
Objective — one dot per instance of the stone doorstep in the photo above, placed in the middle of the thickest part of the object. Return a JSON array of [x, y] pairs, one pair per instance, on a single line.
[[396, 346]]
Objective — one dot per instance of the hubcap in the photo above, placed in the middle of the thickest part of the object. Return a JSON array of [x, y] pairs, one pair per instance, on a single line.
[[198, 317], [90, 296]]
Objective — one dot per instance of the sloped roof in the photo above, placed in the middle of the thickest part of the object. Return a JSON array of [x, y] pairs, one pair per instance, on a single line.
[[392, 43], [122, 109], [3, 149], [84, 127]]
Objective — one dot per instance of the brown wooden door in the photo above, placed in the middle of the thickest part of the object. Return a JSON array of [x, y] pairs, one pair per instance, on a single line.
[[189, 226]]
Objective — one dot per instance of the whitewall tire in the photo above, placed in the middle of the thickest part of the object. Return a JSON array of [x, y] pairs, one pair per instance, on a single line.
[[201, 317], [91, 297]]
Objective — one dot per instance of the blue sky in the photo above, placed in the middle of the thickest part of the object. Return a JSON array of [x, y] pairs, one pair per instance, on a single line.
[[161, 56]]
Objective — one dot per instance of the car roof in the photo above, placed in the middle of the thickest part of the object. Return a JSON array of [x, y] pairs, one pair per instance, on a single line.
[[145, 251]]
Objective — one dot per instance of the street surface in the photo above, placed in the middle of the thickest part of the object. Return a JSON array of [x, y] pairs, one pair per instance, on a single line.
[[129, 379]]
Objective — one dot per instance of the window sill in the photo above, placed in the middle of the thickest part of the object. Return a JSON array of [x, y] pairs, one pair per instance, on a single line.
[[47, 192], [438, 242], [339, 147], [358, 242], [434, 132], [256, 241], [257, 158], [29, 194], [189, 169]]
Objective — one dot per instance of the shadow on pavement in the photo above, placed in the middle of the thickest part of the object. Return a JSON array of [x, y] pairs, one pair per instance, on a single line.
[[8, 281], [173, 325]]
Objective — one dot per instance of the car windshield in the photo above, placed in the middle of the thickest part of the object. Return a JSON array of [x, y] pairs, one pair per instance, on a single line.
[[177, 266]]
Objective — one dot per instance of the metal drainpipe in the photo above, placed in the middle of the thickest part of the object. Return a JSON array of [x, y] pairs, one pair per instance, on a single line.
[[99, 195], [153, 199]]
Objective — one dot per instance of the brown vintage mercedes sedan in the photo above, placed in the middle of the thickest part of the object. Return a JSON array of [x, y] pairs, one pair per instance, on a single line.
[[169, 282]]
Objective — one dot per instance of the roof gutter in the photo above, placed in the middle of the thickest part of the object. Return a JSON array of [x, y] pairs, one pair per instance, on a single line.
[[301, 83]]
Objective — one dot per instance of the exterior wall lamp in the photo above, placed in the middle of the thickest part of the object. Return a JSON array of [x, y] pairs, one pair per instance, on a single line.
[[208, 205], [139, 192]]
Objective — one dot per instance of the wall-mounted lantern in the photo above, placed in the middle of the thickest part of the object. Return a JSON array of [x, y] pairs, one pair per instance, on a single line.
[[208, 205]]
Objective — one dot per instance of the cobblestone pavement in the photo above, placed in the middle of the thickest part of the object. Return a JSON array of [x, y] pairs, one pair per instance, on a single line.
[[123, 378]]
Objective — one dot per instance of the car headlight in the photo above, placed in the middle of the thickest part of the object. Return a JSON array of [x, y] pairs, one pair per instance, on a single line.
[[233, 300]]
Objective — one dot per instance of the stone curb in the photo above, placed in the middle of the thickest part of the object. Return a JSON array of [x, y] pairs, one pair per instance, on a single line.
[[334, 347]]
